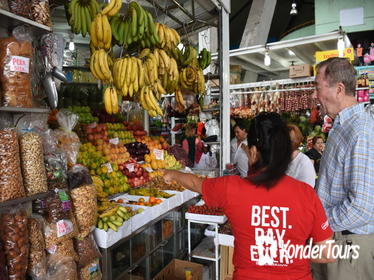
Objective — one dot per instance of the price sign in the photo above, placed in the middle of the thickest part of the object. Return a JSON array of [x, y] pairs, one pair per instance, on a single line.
[[64, 227], [149, 170], [109, 167], [130, 167], [19, 64], [114, 141], [159, 154]]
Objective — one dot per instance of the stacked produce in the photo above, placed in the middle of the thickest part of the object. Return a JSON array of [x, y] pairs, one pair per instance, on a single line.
[[117, 130], [115, 153], [80, 14], [84, 113], [152, 201], [135, 173], [150, 192], [97, 133], [159, 183], [168, 161], [137, 150], [205, 210], [114, 217], [168, 37]]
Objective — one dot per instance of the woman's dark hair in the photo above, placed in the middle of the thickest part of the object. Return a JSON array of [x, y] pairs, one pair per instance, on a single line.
[[315, 139], [242, 125], [271, 137]]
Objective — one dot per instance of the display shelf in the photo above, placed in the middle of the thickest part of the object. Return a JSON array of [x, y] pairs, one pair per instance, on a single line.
[[24, 110], [82, 67], [23, 199], [362, 88], [11, 20]]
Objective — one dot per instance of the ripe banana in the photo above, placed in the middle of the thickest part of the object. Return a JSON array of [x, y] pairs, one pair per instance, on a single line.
[[80, 13]]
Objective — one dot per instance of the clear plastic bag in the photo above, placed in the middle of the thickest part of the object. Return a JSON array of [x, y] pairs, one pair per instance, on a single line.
[[78, 175], [56, 168], [37, 267], [64, 248], [87, 250], [59, 206], [20, 7], [68, 141], [32, 162], [85, 208], [40, 12], [61, 268], [15, 72], [10, 170], [15, 237], [91, 271]]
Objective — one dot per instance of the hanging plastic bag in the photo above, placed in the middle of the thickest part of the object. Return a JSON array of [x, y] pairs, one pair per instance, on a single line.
[[15, 237], [78, 175], [56, 168], [212, 128], [87, 250], [15, 72], [91, 271], [68, 141], [37, 266], [65, 249], [61, 268], [40, 12]]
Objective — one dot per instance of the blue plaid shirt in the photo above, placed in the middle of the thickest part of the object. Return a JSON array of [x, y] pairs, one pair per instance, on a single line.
[[346, 177]]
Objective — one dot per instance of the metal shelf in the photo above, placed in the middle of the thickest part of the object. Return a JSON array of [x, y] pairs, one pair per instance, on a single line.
[[14, 20], [24, 110], [23, 199], [205, 250]]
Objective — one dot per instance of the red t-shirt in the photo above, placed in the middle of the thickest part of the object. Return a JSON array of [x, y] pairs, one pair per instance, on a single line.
[[266, 222]]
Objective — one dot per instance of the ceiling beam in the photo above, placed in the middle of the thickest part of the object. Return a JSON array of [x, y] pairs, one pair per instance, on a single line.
[[166, 12], [256, 62]]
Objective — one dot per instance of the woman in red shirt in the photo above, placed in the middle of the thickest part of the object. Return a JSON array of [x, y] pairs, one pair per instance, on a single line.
[[272, 215]]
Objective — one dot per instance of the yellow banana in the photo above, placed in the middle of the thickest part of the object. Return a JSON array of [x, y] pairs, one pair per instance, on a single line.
[[108, 7], [148, 100], [156, 54], [103, 60], [165, 58], [128, 72], [108, 101], [116, 8], [114, 100], [99, 28], [176, 37], [93, 34], [116, 68], [136, 70], [97, 67], [131, 90], [160, 88], [145, 52], [122, 78], [133, 69], [155, 103], [107, 32], [140, 73], [166, 34]]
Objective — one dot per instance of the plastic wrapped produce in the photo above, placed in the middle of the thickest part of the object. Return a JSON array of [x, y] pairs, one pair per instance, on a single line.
[[15, 237], [87, 250], [64, 248], [55, 165], [68, 141], [40, 12], [10, 171], [85, 208], [32, 161], [78, 175], [20, 7], [37, 267], [61, 268], [91, 271], [15, 72]]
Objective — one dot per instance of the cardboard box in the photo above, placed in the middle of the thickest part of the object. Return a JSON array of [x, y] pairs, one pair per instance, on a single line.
[[226, 265], [299, 71], [175, 271]]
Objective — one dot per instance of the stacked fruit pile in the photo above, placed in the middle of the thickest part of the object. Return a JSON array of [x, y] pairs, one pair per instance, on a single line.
[[115, 153], [205, 210], [137, 150], [136, 174], [152, 201], [150, 192], [168, 161], [84, 113], [114, 217], [97, 133], [117, 130]]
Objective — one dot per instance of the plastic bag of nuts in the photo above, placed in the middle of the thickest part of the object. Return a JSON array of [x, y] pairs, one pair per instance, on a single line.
[[59, 206], [56, 168], [20, 7], [87, 250], [4, 5], [37, 267], [61, 268], [55, 233], [15, 237], [64, 248], [40, 12], [32, 162], [10, 170], [85, 208], [91, 271]]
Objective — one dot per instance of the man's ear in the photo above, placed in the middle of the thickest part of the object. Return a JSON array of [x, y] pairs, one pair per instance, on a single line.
[[340, 90]]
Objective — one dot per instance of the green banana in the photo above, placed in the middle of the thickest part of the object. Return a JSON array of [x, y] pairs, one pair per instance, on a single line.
[[209, 59], [126, 31], [105, 226], [112, 226], [151, 24], [134, 22], [101, 224], [83, 21]]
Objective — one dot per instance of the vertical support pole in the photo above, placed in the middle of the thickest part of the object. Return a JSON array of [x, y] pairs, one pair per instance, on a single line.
[[217, 252], [189, 239], [146, 121], [224, 60]]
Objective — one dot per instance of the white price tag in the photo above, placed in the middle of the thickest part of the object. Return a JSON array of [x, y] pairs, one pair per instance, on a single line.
[[149, 170], [19, 64], [130, 167], [52, 249], [92, 125], [114, 141], [159, 154], [64, 227], [109, 167]]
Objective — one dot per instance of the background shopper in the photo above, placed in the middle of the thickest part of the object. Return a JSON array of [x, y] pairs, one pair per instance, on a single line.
[[266, 210], [346, 176], [315, 153], [300, 167], [237, 152], [192, 144]]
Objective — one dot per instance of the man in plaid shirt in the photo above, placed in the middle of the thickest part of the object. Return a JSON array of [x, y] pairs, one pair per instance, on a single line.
[[346, 179]]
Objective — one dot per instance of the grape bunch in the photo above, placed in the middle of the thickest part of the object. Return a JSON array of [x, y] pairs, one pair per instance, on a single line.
[[205, 210]]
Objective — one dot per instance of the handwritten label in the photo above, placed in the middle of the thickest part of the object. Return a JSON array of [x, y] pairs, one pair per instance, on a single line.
[[19, 64], [109, 167], [114, 141], [130, 167], [149, 170], [64, 227], [159, 154], [52, 249]]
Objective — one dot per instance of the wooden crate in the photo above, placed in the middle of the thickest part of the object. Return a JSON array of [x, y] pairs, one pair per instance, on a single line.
[[226, 266]]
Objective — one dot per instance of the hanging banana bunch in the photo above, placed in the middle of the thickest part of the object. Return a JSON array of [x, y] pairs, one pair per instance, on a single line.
[[111, 100], [112, 8], [192, 78], [205, 58], [168, 37], [101, 32], [100, 66], [80, 14], [148, 101]]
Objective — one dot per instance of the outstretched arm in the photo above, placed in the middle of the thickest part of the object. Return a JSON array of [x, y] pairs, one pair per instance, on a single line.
[[187, 180]]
